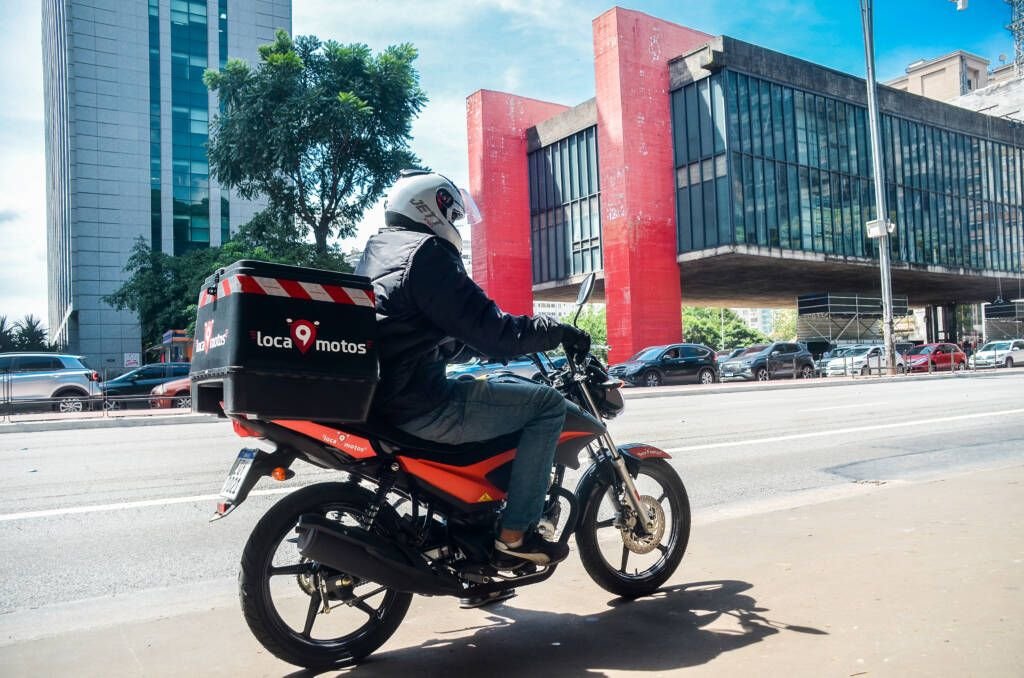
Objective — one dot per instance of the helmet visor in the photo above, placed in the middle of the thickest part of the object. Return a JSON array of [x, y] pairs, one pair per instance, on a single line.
[[472, 212]]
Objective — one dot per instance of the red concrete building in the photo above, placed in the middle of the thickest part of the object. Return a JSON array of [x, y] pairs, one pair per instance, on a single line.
[[636, 178], [731, 175]]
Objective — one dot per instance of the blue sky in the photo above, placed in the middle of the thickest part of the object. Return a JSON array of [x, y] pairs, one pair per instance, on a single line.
[[536, 48]]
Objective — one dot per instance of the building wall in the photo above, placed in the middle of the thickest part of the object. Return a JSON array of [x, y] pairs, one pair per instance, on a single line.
[[115, 74], [499, 181], [945, 77], [631, 76]]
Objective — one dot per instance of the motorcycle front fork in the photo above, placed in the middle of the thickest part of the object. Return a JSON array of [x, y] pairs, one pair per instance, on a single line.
[[619, 464]]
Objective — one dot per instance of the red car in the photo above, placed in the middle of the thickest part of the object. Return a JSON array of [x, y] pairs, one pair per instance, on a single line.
[[177, 394], [937, 357]]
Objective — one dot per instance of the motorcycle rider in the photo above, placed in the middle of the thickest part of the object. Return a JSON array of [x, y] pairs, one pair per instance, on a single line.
[[424, 299]]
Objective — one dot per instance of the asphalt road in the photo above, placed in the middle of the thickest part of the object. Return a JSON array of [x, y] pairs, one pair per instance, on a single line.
[[110, 523]]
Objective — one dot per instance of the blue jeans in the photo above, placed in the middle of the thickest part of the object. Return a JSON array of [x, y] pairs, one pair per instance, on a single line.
[[481, 409]]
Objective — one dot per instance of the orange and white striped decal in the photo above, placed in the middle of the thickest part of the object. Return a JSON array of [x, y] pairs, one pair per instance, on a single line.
[[294, 289]]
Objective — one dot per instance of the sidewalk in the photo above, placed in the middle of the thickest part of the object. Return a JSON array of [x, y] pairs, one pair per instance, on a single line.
[[893, 580]]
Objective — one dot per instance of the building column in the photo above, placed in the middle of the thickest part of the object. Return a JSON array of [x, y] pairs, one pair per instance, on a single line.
[[499, 183], [638, 219]]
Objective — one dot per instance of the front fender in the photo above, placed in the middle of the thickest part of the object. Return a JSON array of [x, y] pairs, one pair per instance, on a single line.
[[603, 472]]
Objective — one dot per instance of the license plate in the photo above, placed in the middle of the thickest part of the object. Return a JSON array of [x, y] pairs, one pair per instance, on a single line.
[[236, 476]]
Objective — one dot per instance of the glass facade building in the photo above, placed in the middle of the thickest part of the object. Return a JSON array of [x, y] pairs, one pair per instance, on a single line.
[[770, 165], [127, 126], [565, 211], [190, 124]]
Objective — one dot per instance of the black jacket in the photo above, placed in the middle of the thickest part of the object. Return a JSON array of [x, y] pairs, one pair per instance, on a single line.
[[424, 300]]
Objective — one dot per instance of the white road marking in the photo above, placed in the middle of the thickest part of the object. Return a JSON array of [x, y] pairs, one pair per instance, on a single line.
[[843, 431], [844, 407], [70, 510]]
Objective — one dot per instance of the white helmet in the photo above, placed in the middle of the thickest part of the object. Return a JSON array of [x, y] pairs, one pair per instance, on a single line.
[[431, 200]]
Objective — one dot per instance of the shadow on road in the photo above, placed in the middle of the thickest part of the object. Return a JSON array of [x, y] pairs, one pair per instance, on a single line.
[[662, 632]]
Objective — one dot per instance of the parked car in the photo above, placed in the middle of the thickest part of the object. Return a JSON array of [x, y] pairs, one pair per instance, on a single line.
[[862, 360], [669, 364], [936, 357], [62, 382], [176, 394], [521, 365], [730, 354], [780, 360], [122, 391], [1006, 353], [821, 364]]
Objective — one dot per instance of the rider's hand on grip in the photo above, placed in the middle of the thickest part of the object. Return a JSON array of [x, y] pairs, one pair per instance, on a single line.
[[576, 342]]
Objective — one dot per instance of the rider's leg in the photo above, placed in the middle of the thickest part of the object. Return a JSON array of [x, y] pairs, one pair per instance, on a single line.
[[481, 409]]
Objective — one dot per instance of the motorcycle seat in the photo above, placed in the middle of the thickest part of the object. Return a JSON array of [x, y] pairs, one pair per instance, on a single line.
[[408, 445]]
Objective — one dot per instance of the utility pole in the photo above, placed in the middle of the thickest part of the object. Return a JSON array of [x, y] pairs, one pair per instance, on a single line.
[[881, 227]]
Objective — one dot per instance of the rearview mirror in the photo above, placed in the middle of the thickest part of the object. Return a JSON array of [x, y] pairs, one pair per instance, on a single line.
[[586, 287], [775, 353]]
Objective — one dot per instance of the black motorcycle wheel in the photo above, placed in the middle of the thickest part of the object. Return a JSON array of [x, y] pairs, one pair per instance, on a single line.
[[272, 568], [606, 550]]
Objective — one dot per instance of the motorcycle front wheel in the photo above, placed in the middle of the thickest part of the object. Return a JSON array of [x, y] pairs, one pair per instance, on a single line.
[[284, 595], [618, 555]]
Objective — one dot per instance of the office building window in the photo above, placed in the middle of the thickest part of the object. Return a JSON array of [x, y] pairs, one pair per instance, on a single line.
[[565, 211], [798, 176]]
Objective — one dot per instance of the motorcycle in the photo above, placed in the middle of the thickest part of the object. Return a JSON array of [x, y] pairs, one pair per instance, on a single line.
[[329, 572]]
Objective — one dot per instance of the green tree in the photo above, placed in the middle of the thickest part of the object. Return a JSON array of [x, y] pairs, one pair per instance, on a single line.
[[705, 326], [594, 321], [164, 290], [784, 324], [30, 335], [7, 342], [321, 129]]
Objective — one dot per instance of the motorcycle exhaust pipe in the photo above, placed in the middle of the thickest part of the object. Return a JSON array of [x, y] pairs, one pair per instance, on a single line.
[[367, 556]]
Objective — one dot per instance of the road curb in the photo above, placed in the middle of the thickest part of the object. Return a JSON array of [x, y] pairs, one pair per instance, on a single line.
[[641, 393], [106, 422]]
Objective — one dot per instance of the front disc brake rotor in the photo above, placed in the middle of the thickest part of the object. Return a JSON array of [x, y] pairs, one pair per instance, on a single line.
[[306, 580], [646, 543]]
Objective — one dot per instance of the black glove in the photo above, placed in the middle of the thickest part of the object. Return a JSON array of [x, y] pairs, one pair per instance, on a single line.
[[576, 342]]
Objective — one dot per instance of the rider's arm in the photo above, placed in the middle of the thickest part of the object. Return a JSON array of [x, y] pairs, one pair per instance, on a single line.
[[451, 300]]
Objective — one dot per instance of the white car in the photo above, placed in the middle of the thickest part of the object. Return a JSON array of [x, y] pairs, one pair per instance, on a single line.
[[1005, 353], [863, 360]]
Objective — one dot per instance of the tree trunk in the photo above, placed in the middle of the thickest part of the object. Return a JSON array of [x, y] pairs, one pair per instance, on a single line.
[[320, 233]]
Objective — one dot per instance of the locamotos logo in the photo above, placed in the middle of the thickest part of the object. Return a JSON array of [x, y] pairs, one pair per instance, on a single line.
[[303, 336], [209, 340]]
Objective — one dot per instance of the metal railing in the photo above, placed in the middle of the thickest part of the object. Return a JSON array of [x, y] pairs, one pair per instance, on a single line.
[[99, 404]]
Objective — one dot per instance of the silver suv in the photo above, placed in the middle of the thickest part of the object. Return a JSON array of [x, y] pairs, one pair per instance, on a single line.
[[64, 382]]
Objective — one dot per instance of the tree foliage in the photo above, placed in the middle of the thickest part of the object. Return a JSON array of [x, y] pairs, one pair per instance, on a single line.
[[784, 324], [319, 128], [594, 321], [705, 326], [27, 334], [164, 290]]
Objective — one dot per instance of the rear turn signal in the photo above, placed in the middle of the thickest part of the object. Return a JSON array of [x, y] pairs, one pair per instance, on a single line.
[[279, 473]]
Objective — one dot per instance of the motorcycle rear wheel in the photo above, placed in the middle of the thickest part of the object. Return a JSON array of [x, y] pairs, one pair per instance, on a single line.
[[380, 612], [605, 548]]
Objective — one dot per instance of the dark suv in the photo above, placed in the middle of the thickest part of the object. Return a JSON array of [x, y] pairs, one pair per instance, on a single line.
[[671, 364], [780, 360], [124, 390]]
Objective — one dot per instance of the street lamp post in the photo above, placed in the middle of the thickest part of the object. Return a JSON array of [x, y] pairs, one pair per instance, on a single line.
[[881, 227]]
